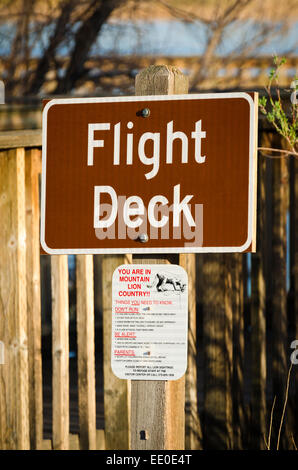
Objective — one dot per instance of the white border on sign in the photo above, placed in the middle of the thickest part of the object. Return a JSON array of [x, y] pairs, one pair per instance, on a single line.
[[216, 249]]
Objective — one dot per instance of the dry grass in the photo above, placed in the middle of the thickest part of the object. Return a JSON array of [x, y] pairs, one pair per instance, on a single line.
[[268, 440]]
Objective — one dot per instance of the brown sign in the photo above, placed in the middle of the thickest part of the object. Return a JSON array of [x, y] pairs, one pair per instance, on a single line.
[[149, 174]]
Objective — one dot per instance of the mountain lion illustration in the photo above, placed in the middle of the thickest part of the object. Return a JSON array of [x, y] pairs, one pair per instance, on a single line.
[[161, 280]]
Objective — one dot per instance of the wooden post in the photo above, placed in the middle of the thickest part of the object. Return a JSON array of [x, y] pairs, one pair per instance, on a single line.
[[33, 163], [60, 351], [116, 391], [86, 356], [218, 352], [157, 407], [14, 415]]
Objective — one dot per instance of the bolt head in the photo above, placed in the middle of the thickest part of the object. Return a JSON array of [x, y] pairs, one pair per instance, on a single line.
[[145, 112], [143, 237]]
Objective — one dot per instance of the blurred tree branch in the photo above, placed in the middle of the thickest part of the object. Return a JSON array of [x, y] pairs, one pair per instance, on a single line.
[[72, 22], [84, 39], [36, 33]]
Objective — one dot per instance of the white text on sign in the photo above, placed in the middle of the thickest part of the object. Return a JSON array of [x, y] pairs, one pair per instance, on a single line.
[[133, 208], [154, 160]]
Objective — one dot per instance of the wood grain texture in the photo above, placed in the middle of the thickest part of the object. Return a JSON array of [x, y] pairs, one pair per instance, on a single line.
[[161, 80], [32, 158], [193, 431], [86, 355], [46, 444], [280, 362], [149, 414], [18, 139], [60, 351], [238, 349], [218, 430], [74, 442], [14, 416], [100, 439], [157, 407], [116, 391], [295, 258], [258, 321]]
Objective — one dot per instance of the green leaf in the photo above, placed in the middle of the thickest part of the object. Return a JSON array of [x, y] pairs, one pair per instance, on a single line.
[[262, 101]]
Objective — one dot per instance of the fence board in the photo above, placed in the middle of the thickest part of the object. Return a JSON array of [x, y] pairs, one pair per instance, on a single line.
[[100, 439], [17, 139], [116, 391], [238, 350], [294, 257], [279, 300], [33, 298], [14, 416], [193, 431], [295, 260], [74, 442], [218, 433], [86, 357], [258, 322], [46, 444], [60, 351]]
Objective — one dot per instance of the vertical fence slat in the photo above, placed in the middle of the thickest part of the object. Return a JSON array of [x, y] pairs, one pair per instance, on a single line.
[[293, 294], [60, 351], [193, 432], [295, 223], [217, 311], [279, 300], [238, 350], [295, 263], [258, 322], [74, 442], [33, 298], [116, 391], [14, 416], [86, 357], [100, 439]]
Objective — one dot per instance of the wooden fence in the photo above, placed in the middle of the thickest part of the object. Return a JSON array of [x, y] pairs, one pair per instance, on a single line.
[[243, 316]]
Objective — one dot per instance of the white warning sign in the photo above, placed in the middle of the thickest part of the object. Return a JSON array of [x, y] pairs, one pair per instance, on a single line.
[[149, 321]]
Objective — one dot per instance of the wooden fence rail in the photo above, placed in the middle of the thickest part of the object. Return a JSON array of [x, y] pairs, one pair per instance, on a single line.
[[239, 334]]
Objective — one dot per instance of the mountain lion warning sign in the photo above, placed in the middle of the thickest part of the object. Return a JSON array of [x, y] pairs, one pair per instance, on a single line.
[[149, 322], [149, 174]]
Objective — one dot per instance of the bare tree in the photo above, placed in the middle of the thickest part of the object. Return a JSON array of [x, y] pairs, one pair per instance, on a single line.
[[58, 23], [271, 19], [64, 32]]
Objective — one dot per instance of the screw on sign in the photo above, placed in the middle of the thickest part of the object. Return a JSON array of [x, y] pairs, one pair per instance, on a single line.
[[178, 169]]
